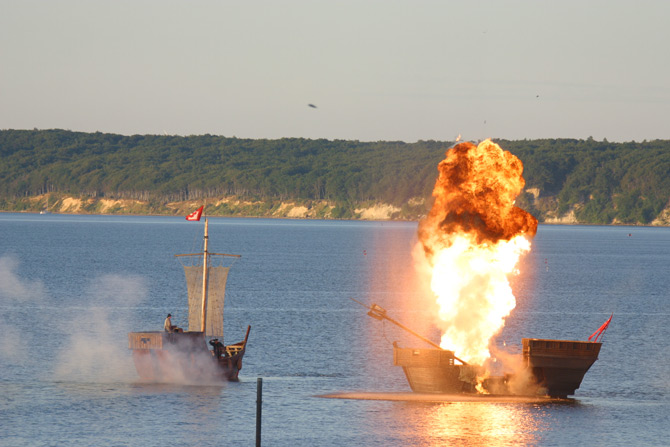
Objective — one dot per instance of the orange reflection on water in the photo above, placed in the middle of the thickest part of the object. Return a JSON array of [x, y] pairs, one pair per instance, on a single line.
[[477, 423]]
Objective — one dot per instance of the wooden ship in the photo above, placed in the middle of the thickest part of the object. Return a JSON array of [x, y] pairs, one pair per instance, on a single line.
[[554, 368], [184, 356]]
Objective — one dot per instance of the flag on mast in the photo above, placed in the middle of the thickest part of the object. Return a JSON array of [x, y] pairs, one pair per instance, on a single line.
[[195, 215], [601, 329]]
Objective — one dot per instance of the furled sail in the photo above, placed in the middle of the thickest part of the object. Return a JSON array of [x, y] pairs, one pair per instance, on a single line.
[[216, 293]]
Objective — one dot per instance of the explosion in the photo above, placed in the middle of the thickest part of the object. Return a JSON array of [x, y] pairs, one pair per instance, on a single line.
[[472, 238]]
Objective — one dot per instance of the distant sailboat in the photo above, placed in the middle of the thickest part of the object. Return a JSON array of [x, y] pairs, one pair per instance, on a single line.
[[46, 208], [162, 356]]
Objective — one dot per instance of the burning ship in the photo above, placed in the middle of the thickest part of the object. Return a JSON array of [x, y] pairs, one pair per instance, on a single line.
[[469, 244], [554, 368], [183, 356]]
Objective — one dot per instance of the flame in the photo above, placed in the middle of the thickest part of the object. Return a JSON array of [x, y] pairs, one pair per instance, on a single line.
[[473, 238]]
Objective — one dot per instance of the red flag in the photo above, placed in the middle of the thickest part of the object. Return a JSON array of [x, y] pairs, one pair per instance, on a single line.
[[195, 215], [601, 329]]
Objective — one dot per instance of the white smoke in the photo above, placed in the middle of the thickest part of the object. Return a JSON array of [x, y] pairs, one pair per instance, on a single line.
[[16, 294], [14, 289], [521, 381], [188, 368], [97, 346]]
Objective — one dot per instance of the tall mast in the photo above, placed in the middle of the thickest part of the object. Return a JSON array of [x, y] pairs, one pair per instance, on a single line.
[[204, 282]]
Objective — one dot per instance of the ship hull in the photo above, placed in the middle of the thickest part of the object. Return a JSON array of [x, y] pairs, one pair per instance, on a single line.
[[163, 357], [554, 368], [433, 370], [559, 366]]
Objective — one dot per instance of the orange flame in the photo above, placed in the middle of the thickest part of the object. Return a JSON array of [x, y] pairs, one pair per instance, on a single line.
[[473, 238]]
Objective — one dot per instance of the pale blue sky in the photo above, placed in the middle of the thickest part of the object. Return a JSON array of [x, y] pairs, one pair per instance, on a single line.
[[376, 70]]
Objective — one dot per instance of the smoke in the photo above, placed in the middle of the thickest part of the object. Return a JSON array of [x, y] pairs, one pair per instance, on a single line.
[[86, 342], [474, 194], [16, 295], [96, 346], [183, 365], [90, 341], [520, 379], [15, 289]]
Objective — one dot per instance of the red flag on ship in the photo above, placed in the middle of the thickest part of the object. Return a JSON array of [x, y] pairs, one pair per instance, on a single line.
[[195, 215], [601, 329]]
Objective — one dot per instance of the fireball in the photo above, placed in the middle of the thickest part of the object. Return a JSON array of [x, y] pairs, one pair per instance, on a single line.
[[473, 238]]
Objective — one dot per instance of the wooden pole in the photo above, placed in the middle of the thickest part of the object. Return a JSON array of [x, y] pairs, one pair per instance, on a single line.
[[379, 313], [204, 283], [259, 409]]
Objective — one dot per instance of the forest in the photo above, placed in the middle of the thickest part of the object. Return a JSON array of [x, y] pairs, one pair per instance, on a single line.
[[598, 182]]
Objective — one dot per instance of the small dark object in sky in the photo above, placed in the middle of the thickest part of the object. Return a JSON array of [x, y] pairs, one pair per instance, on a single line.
[[537, 96], [312, 106]]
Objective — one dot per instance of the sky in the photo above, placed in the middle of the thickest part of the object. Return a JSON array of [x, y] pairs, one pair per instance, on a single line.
[[386, 70]]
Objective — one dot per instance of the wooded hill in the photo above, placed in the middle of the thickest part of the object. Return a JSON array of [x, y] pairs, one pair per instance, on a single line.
[[586, 180]]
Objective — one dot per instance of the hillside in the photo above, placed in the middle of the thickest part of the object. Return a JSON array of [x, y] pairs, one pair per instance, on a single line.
[[579, 181]]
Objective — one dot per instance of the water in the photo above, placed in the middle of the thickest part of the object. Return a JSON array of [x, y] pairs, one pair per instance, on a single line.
[[71, 287]]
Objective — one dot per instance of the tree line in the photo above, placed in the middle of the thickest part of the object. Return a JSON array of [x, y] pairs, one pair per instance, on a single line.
[[601, 182]]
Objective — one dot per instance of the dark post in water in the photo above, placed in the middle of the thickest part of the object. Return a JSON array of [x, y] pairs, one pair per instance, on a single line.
[[259, 405]]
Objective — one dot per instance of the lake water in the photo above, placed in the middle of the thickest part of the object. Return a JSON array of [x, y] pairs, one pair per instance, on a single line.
[[72, 287]]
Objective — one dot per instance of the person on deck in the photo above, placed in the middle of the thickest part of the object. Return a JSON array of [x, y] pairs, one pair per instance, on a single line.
[[218, 347], [169, 327]]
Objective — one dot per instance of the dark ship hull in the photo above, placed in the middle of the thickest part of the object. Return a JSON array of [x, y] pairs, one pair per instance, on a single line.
[[431, 370], [556, 369], [183, 357], [559, 366]]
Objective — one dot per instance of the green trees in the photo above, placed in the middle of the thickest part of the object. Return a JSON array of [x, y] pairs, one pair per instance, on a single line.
[[601, 182]]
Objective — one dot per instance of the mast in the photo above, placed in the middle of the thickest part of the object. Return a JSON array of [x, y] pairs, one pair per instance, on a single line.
[[204, 281], [202, 270]]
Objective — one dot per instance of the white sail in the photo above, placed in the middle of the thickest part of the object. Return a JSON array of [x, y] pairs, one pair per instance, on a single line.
[[216, 294]]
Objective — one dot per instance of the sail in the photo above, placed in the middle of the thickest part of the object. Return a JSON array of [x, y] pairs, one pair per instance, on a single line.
[[216, 293]]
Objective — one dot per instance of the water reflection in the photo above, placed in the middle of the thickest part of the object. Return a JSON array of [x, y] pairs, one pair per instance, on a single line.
[[472, 423]]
